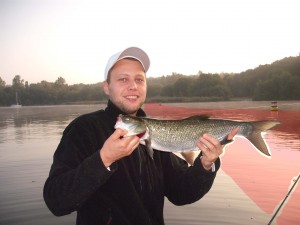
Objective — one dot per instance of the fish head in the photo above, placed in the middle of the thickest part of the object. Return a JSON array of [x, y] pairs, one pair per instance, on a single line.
[[134, 125]]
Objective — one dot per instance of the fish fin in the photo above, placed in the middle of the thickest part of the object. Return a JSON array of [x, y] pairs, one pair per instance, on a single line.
[[198, 117], [225, 140], [189, 157], [256, 137], [145, 139], [149, 148]]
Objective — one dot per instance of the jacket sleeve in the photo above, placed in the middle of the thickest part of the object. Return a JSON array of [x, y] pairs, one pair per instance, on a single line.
[[184, 184], [77, 170]]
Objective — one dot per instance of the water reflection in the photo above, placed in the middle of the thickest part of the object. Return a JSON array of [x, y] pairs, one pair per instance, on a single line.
[[40, 122], [285, 140], [29, 136]]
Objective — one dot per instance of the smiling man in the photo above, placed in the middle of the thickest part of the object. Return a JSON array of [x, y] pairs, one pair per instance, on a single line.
[[126, 82], [109, 179]]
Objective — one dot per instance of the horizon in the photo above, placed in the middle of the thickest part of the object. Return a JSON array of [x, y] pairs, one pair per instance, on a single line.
[[150, 76], [44, 40]]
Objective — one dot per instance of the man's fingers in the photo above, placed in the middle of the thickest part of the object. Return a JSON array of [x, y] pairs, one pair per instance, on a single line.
[[209, 141], [118, 133], [132, 141]]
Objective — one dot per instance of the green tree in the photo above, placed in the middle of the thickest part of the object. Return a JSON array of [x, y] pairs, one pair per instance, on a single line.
[[278, 85], [183, 87], [167, 91], [2, 92], [60, 81], [208, 85], [17, 82], [2, 83], [153, 90]]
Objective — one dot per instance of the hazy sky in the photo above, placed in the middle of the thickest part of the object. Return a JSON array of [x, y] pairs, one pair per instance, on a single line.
[[46, 39]]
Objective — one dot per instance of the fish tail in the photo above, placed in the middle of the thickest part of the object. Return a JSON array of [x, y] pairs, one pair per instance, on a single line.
[[256, 137]]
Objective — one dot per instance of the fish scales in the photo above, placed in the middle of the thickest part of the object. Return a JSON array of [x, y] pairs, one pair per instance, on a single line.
[[182, 135]]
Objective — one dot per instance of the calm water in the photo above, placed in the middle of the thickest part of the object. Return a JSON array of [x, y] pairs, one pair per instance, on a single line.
[[28, 139]]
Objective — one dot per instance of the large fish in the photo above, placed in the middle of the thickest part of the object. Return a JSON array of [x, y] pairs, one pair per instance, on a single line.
[[182, 135]]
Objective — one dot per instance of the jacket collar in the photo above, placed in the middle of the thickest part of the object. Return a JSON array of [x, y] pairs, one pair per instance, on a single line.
[[114, 111]]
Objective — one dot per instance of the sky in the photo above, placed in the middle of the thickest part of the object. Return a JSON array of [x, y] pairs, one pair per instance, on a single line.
[[46, 39]]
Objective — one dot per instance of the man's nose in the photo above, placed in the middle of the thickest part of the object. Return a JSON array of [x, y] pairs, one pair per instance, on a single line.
[[132, 85]]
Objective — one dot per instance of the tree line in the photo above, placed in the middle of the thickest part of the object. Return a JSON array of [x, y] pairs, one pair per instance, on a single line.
[[277, 81]]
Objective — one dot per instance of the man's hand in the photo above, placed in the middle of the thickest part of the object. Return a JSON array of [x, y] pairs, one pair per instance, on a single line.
[[117, 147], [211, 148]]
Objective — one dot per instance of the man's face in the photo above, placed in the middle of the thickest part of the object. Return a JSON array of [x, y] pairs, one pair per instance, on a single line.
[[127, 87]]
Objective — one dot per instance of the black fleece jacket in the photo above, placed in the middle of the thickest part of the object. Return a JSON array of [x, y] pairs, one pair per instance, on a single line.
[[132, 192]]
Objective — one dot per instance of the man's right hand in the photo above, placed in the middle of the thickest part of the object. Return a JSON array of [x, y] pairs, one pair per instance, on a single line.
[[117, 147]]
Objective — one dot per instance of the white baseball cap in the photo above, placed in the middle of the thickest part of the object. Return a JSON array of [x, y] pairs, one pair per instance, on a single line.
[[132, 52]]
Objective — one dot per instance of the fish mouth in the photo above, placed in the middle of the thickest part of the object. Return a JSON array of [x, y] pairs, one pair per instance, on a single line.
[[141, 134], [118, 123]]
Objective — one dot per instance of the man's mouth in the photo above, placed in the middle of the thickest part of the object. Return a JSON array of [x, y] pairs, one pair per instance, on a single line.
[[131, 96]]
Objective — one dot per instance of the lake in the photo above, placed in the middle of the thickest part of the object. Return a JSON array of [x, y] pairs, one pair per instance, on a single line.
[[248, 189]]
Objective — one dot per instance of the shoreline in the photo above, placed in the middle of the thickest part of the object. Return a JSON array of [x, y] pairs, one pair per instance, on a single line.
[[247, 104]]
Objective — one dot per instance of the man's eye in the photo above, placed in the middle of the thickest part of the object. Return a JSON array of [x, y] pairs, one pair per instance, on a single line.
[[123, 80], [139, 80]]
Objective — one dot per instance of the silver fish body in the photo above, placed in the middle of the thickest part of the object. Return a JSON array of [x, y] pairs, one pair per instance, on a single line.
[[182, 135]]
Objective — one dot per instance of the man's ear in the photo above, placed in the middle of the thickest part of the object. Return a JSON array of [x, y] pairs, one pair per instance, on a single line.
[[105, 87]]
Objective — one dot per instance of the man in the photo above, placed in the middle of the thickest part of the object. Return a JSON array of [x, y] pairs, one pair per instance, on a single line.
[[109, 179]]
